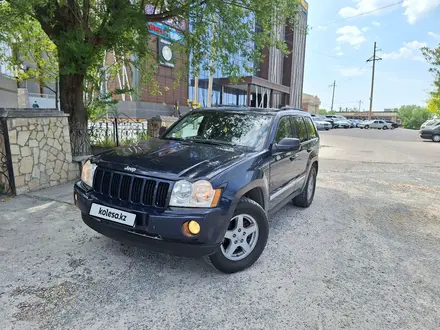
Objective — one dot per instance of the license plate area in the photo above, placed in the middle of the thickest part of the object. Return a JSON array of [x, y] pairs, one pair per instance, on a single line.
[[112, 214]]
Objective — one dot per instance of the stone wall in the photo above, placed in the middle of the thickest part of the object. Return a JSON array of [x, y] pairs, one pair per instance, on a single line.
[[40, 149]]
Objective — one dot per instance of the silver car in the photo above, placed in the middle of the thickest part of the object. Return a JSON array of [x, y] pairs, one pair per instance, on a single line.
[[379, 124], [321, 125]]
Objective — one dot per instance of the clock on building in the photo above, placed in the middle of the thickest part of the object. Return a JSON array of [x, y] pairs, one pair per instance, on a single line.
[[166, 56]]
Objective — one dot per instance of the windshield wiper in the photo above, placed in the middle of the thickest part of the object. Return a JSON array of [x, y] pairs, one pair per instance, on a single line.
[[176, 139], [214, 142]]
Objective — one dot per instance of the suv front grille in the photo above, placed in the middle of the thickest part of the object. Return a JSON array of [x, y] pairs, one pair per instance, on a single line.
[[131, 188]]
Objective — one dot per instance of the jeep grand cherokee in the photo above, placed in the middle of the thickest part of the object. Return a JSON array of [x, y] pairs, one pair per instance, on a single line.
[[207, 186]]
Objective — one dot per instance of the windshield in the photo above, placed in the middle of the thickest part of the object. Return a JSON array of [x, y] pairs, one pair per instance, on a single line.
[[432, 122], [221, 127]]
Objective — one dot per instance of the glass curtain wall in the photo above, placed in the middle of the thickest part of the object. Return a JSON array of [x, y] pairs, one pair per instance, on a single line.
[[221, 95]]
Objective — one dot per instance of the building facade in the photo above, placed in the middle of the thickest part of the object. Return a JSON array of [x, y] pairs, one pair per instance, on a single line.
[[383, 115], [276, 82]]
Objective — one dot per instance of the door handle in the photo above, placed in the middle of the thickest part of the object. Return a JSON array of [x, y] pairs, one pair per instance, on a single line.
[[293, 157]]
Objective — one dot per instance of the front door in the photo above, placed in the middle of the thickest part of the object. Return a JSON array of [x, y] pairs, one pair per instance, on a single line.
[[282, 168]]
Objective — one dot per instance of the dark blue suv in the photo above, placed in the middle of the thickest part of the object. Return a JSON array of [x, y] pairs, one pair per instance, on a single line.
[[205, 187]]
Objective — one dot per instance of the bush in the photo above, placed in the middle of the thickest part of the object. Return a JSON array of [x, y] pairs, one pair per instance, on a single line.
[[413, 116]]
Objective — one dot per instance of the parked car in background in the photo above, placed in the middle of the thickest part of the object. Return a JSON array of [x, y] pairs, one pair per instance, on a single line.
[[323, 118], [321, 124], [378, 124], [355, 122], [430, 122], [393, 124], [431, 130], [339, 123]]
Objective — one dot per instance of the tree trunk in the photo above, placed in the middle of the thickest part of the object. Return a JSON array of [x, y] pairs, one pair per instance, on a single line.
[[71, 102]]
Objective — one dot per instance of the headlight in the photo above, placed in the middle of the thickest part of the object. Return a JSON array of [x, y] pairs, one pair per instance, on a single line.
[[87, 173], [197, 194]]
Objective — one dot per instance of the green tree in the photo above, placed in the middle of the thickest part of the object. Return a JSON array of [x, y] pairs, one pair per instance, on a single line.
[[84, 30], [33, 55], [432, 56], [322, 112], [413, 116], [434, 103]]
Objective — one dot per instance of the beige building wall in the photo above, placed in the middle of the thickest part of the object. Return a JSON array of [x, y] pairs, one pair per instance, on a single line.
[[311, 103]]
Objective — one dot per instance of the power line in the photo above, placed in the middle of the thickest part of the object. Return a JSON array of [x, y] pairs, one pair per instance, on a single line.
[[363, 13]]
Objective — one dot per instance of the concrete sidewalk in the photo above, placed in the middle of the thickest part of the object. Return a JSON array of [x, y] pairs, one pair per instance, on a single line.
[[62, 193]]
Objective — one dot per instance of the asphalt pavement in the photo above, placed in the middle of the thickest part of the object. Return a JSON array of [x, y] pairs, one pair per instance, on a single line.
[[365, 255]]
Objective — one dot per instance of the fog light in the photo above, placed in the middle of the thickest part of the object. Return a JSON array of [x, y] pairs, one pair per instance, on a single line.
[[194, 227]]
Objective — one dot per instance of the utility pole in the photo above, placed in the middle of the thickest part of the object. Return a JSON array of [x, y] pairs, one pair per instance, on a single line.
[[373, 59], [360, 104], [333, 97]]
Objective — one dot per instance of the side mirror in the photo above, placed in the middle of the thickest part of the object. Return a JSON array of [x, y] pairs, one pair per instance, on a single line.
[[287, 144]]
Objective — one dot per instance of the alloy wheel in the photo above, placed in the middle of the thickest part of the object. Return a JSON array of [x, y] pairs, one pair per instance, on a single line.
[[240, 238]]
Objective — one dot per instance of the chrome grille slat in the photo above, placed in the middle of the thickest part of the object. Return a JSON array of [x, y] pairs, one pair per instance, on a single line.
[[127, 187]]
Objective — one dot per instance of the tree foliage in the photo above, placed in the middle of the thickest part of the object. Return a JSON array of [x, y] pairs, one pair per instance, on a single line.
[[432, 56], [413, 116], [83, 30], [33, 55]]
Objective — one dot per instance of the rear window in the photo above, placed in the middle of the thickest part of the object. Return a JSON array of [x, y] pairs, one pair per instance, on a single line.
[[310, 128], [300, 128]]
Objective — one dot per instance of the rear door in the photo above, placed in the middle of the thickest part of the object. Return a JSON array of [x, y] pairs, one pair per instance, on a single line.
[[302, 156], [375, 124]]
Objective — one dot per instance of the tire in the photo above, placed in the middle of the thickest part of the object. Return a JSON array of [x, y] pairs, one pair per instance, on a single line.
[[361, 127], [249, 210], [385, 128], [367, 126], [327, 129], [305, 199], [436, 138]]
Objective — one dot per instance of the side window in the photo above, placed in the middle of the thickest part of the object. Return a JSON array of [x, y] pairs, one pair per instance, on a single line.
[[310, 127], [284, 129], [376, 122], [300, 128]]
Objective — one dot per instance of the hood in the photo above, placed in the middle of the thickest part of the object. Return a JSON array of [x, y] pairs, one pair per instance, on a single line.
[[171, 159]]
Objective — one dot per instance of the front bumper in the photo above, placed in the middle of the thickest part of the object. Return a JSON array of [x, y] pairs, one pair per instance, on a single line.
[[426, 136], [158, 230]]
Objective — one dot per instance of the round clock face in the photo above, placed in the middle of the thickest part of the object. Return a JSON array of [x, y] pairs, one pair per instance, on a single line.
[[167, 53]]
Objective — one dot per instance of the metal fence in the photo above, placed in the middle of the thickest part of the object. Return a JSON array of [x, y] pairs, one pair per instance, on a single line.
[[7, 185], [106, 133]]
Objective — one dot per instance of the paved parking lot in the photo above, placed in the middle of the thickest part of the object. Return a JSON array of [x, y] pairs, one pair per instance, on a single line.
[[365, 255]]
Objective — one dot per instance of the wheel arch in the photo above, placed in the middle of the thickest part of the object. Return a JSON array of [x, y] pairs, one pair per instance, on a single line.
[[257, 191]]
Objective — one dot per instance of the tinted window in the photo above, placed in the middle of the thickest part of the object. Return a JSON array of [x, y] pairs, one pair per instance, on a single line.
[[284, 129], [237, 128], [310, 128], [300, 128]]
